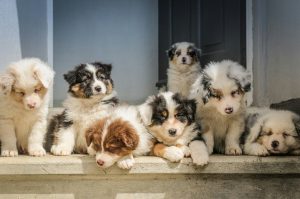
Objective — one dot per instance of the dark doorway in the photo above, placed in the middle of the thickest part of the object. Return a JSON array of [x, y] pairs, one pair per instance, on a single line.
[[218, 27]]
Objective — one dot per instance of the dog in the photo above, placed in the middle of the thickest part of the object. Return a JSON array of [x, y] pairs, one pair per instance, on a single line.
[[271, 132], [184, 67], [91, 96], [118, 137], [170, 118], [220, 92], [25, 89]]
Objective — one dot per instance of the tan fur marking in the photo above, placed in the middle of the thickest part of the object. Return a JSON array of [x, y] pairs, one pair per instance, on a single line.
[[159, 150]]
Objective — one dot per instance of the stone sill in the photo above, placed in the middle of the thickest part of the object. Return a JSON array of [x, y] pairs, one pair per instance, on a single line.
[[85, 165]]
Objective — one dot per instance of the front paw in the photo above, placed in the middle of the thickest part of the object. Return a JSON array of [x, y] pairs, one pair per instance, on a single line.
[[61, 150], [261, 151], [9, 153], [126, 163], [200, 160], [186, 151], [233, 150], [36, 151], [173, 153]]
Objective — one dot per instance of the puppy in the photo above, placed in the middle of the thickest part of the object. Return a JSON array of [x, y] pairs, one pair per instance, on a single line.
[[119, 137], [184, 66], [271, 132], [170, 118], [25, 89], [220, 92], [91, 97]]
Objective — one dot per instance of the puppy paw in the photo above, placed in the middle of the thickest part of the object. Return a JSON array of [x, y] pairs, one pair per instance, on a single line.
[[233, 150], [173, 154], [126, 163], [261, 151], [36, 151], [9, 153], [60, 150], [186, 151], [200, 160]]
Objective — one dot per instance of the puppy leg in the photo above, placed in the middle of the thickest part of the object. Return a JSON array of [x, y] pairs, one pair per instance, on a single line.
[[64, 142], [36, 138], [171, 153], [126, 162], [185, 149], [232, 140], [209, 140], [199, 153], [255, 149], [8, 138]]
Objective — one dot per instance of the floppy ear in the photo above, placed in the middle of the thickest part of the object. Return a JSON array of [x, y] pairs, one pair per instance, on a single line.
[[241, 76], [296, 121], [70, 77], [146, 111], [89, 135], [171, 51], [198, 53], [44, 73], [6, 83], [191, 109], [130, 139]]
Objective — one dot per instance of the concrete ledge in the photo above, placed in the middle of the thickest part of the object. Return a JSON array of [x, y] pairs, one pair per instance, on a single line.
[[85, 165]]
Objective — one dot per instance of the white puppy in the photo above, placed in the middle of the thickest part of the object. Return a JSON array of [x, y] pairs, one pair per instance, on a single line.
[[184, 67], [271, 132], [220, 92], [24, 107]]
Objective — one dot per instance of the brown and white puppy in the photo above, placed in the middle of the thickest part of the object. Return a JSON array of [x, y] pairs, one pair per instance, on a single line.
[[118, 137], [220, 92], [184, 66], [170, 118], [24, 107], [91, 97], [271, 131]]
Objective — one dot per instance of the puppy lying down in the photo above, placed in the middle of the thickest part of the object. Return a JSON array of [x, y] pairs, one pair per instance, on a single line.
[[271, 132]]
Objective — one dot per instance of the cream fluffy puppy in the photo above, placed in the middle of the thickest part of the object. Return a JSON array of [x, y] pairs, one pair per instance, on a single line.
[[220, 92], [24, 107]]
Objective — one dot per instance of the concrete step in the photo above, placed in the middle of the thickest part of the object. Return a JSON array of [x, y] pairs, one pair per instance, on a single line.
[[77, 176]]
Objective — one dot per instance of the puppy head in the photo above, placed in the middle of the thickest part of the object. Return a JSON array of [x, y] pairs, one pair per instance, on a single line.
[[111, 140], [31, 80], [90, 80], [167, 115], [280, 132], [183, 54], [224, 85]]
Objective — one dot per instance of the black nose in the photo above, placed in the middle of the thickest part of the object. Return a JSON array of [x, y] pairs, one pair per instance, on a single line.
[[228, 110], [172, 132], [183, 60], [275, 144], [98, 88], [100, 162]]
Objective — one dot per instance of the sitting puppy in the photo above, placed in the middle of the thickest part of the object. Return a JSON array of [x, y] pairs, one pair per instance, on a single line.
[[220, 92], [25, 89], [91, 97], [271, 132], [170, 118], [184, 67], [119, 137]]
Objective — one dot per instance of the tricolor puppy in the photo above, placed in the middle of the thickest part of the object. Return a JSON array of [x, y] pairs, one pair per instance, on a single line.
[[91, 97], [24, 107], [271, 132], [119, 137], [184, 66], [220, 92], [170, 118]]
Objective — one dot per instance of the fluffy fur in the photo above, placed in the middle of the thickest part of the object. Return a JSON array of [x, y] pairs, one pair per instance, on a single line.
[[220, 92], [271, 132], [119, 137], [91, 97], [184, 66], [24, 107], [170, 118]]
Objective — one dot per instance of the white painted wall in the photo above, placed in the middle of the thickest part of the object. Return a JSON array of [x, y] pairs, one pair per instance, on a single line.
[[121, 32], [9, 33], [276, 50]]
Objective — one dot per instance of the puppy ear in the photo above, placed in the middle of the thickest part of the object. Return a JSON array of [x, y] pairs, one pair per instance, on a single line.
[[240, 76], [198, 53], [146, 111], [130, 138], [6, 83], [191, 106], [171, 51], [43, 73], [70, 77], [296, 121], [89, 135]]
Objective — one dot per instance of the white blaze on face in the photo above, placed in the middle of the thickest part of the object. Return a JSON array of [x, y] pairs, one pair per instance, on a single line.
[[183, 57], [98, 86]]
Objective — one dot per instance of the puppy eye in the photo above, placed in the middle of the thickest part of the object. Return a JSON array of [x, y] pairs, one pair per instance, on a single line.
[[285, 134], [164, 113], [179, 115], [37, 90], [191, 53], [20, 93], [178, 53], [102, 76], [234, 93]]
